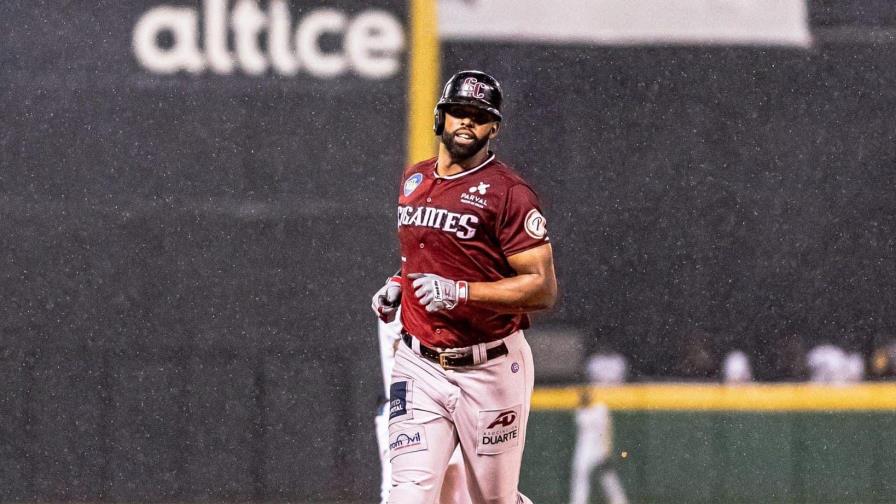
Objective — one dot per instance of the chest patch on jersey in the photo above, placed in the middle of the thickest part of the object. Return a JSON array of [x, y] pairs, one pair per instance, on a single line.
[[412, 183], [472, 199], [480, 188]]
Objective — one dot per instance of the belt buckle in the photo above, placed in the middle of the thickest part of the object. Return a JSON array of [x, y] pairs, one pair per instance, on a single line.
[[444, 356]]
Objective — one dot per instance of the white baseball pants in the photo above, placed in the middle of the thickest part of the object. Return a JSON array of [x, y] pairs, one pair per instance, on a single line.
[[454, 486], [483, 407]]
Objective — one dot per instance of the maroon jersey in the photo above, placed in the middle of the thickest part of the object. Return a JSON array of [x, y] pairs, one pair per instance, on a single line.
[[464, 227]]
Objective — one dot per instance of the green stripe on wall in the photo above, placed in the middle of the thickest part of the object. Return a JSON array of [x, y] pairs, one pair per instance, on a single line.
[[725, 457]]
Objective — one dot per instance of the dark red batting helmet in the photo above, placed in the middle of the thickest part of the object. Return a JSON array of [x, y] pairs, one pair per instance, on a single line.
[[469, 87]]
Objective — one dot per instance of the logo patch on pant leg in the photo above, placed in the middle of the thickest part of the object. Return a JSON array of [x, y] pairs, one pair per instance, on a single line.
[[498, 430], [400, 395], [407, 441]]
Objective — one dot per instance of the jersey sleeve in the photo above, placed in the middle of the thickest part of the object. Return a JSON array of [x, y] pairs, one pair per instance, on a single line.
[[522, 225]]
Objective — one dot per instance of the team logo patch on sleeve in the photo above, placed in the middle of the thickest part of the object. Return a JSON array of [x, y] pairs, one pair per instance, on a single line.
[[536, 225], [407, 441], [498, 430], [400, 393], [412, 183]]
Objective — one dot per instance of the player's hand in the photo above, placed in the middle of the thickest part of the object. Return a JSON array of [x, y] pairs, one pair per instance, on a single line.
[[386, 300], [437, 293]]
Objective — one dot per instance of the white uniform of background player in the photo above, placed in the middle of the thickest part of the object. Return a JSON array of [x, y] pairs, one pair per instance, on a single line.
[[736, 368], [594, 438], [454, 486], [832, 365]]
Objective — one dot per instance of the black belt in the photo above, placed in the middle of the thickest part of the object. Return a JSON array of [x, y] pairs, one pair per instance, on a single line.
[[452, 359]]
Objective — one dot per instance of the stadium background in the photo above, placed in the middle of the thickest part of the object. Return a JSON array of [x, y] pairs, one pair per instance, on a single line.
[[188, 258]]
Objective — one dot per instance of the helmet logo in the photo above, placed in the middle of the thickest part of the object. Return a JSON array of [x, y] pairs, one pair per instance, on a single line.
[[472, 87]]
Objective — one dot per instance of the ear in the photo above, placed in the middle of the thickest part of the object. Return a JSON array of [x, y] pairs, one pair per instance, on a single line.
[[494, 131]]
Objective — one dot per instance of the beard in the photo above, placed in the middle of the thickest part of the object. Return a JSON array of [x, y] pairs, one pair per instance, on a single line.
[[462, 152]]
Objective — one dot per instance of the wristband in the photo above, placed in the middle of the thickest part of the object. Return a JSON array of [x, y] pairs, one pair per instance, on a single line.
[[463, 291], [396, 279]]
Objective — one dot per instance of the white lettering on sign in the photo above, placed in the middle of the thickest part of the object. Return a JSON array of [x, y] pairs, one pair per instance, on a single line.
[[372, 40]]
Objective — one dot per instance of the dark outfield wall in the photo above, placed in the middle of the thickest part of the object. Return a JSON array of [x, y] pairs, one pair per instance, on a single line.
[[188, 259], [744, 197]]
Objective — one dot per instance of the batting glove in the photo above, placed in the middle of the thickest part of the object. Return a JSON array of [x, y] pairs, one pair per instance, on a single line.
[[386, 300], [437, 293]]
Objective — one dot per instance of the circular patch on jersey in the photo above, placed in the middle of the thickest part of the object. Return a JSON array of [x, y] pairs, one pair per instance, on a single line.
[[412, 183], [536, 225], [515, 367]]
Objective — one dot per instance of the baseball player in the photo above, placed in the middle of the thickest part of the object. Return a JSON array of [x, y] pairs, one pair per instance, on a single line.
[[454, 488], [475, 260], [736, 368], [831, 364], [594, 435]]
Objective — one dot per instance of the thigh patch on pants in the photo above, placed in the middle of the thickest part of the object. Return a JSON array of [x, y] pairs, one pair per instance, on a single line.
[[401, 395], [498, 430], [407, 441]]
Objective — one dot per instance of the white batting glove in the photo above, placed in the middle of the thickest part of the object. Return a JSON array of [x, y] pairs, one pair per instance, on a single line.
[[386, 300], [437, 293]]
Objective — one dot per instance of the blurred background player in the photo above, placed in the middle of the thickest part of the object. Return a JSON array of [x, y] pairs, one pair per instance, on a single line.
[[386, 304], [883, 359], [832, 365], [736, 368], [594, 434]]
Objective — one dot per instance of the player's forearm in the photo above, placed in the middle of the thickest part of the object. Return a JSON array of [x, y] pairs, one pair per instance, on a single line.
[[519, 294]]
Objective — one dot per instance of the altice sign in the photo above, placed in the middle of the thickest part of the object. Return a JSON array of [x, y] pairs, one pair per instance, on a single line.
[[372, 40]]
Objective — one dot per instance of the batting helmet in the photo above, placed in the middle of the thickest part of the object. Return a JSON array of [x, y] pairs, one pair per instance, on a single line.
[[469, 87]]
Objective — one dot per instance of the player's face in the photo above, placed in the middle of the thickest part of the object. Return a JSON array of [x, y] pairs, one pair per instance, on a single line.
[[467, 130]]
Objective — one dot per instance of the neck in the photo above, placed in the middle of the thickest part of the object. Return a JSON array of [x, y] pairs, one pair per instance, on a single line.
[[447, 166]]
